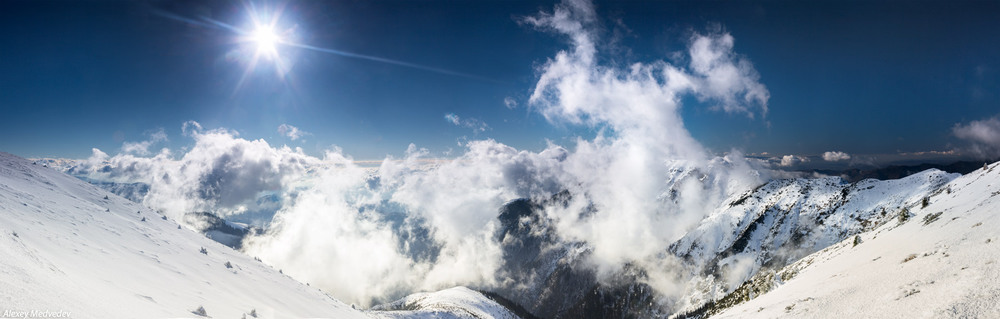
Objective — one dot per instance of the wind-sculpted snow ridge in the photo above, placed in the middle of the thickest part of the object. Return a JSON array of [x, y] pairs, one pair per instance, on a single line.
[[936, 259]]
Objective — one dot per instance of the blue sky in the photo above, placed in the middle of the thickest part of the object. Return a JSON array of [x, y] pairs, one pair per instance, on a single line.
[[856, 77]]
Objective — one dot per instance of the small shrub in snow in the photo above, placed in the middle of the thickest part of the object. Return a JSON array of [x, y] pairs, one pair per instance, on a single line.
[[105, 197], [229, 265], [253, 313], [200, 311], [15, 234], [178, 226], [143, 219], [857, 240], [910, 257], [924, 202], [930, 218], [203, 251], [904, 215], [164, 217]]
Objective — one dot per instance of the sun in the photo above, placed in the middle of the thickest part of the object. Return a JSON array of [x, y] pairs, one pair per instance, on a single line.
[[266, 40]]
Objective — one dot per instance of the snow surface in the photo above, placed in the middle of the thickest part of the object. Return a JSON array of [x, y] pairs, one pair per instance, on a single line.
[[64, 247], [941, 263]]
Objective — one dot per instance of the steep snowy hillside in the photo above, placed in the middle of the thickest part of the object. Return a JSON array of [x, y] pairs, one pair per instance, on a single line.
[[69, 246], [938, 261], [784, 220]]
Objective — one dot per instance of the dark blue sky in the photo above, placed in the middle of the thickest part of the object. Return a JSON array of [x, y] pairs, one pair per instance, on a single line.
[[858, 77]]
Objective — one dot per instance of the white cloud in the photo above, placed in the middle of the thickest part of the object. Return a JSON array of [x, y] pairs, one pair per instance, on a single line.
[[835, 156], [452, 118], [190, 127], [983, 136], [476, 125], [221, 172], [724, 77], [510, 103], [791, 160], [291, 132], [621, 171], [142, 148]]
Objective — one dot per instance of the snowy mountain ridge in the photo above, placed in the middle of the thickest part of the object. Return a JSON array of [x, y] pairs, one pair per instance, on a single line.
[[785, 220], [938, 261]]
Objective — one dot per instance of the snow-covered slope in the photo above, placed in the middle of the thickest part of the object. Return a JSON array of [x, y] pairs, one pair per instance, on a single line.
[[942, 262], [784, 220], [66, 245], [458, 302]]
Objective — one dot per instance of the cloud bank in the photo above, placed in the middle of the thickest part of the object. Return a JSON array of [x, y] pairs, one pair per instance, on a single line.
[[982, 136], [371, 235]]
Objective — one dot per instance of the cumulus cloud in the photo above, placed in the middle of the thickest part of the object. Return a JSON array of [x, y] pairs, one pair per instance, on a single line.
[[647, 145], [142, 148], [726, 78], [414, 225], [836, 156], [982, 136], [291, 132], [792, 160], [476, 125], [220, 173]]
